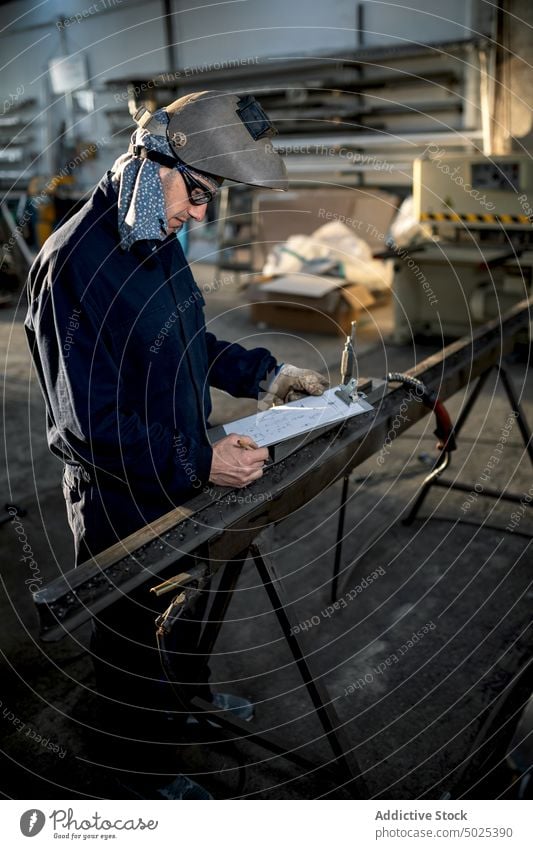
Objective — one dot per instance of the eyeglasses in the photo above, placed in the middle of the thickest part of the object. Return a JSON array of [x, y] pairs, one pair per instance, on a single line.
[[197, 191]]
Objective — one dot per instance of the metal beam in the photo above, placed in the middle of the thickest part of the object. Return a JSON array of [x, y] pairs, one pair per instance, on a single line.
[[228, 526]]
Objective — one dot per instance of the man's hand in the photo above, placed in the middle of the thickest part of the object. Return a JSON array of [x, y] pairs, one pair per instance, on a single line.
[[237, 464], [290, 384]]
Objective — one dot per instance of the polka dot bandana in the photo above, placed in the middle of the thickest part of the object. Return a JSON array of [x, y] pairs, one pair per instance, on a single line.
[[141, 204]]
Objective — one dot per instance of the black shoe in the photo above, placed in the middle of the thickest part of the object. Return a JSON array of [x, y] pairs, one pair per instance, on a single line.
[[239, 707], [183, 788]]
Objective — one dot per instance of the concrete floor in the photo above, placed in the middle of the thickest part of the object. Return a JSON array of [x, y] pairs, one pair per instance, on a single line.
[[464, 586]]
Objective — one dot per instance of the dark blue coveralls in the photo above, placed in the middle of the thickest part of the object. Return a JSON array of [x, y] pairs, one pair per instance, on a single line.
[[125, 363]]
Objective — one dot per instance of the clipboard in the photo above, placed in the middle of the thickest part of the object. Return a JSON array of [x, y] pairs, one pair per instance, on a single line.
[[289, 421]]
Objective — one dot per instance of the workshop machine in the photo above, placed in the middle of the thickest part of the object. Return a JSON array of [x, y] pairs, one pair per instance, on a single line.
[[475, 260]]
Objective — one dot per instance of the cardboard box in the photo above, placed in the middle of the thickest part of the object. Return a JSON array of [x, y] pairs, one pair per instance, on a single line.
[[309, 303], [368, 212]]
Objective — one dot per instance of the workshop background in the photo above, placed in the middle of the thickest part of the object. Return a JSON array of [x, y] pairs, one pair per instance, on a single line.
[[407, 133]]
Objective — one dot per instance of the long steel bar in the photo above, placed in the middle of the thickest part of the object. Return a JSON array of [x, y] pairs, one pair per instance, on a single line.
[[227, 526]]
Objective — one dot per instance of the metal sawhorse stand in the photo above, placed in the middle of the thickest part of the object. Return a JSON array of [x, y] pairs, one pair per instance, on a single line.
[[203, 710], [441, 464], [443, 461]]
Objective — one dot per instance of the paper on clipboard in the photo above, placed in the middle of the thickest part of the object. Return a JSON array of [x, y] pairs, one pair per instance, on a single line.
[[289, 420]]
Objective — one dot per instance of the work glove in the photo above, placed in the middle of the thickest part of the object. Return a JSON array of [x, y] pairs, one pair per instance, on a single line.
[[291, 383]]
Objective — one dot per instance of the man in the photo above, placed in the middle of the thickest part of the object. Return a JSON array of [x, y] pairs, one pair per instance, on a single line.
[[115, 325]]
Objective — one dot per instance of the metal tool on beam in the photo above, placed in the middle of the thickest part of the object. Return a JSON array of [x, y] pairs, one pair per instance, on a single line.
[[347, 391]]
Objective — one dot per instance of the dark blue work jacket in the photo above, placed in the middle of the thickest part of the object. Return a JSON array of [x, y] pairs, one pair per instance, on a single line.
[[123, 357]]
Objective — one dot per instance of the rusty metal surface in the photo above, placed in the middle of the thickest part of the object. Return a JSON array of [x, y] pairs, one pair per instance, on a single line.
[[222, 524]]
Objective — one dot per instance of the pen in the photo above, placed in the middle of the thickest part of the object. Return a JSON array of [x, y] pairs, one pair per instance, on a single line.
[[247, 447]]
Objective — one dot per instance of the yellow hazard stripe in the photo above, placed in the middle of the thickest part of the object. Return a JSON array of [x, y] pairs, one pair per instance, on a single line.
[[472, 217]]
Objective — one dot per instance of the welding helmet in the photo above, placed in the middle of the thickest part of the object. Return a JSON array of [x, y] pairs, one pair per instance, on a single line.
[[221, 134]]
